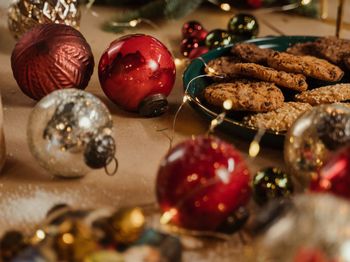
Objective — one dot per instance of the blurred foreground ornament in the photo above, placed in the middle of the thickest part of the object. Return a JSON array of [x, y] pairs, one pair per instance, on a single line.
[[69, 132], [309, 228], [244, 26], [128, 224], [334, 176], [51, 57], [23, 15], [201, 182], [271, 183], [313, 137], [137, 72]]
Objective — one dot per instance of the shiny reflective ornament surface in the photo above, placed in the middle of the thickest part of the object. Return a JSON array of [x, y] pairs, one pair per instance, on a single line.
[[23, 15], [271, 183], [316, 226], [127, 224], [194, 29], [313, 137], [243, 25], [62, 127], [51, 57], [201, 182], [137, 72], [218, 38], [334, 176]]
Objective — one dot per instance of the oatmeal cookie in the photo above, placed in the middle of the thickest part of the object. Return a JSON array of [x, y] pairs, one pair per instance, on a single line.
[[325, 95], [246, 95], [231, 70], [308, 65], [251, 53], [279, 120]]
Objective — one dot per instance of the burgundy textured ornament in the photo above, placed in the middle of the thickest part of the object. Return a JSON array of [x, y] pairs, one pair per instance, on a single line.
[[201, 182], [51, 57], [137, 72], [194, 29], [188, 45]]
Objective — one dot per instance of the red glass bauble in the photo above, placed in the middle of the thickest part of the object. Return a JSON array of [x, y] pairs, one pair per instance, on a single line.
[[137, 72], [188, 45], [201, 182], [51, 57], [194, 29], [201, 50], [334, 176], [255, 3]]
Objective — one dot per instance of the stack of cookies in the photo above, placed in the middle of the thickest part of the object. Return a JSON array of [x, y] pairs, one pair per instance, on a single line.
[[256, 80]]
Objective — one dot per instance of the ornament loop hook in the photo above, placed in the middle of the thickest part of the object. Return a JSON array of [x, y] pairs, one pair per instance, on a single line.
[[116, 166]]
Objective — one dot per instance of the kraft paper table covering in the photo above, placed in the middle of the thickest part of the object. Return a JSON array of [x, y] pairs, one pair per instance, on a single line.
[[27, 191]]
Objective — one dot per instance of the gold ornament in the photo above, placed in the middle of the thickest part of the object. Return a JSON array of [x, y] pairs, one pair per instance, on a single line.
[[128, 225], [312, 138], [25, 14], [73, 241]]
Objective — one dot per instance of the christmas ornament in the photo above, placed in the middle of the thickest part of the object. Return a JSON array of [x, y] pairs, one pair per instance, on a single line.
[[188, 45], [218, 38], [243, 25], [11, 244], [310, 226], [271, 183], [194, 29], [128, 224], [137, 72], [69, 132], [255, 3], [334, 176], [25, 14], [201, 182], [51, 57], [313, 137], [74, 241]]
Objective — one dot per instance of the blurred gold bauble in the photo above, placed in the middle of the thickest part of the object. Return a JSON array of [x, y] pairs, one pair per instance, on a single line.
[[313, 137], [128, 224], [25, 14], [73, 241]]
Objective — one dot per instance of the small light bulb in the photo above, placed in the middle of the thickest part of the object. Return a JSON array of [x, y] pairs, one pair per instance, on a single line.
[[134, 23], [185, 99], [305, 2], [254, 149], [168, 216], [177, 61], [227, 104], [40, 234], [225, 6]]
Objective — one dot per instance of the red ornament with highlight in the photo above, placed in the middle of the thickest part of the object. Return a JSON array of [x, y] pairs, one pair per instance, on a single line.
[[201, 182], [334, 177], [51, 57], [137, 72], [194, 29]]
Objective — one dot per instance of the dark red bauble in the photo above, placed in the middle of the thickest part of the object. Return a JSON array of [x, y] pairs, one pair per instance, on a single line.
[[51, 57], [137, 72], [201, 50], [194, 29], [188, 45], [201, 182], [334, 176]]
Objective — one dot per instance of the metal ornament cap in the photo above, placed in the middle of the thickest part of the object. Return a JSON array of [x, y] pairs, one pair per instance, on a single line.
[[154, 105]]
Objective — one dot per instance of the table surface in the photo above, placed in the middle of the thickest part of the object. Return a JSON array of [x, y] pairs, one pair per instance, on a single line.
[[27, 191]]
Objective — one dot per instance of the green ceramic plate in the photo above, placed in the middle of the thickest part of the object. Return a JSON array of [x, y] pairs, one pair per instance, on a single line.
[[232, 123]]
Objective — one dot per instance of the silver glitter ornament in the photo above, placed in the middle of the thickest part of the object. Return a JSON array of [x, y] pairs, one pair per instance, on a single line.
[[314, 228], [25, 14], [312, 138], [70, 131]]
